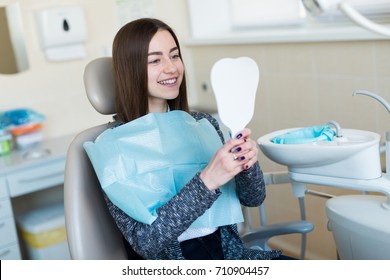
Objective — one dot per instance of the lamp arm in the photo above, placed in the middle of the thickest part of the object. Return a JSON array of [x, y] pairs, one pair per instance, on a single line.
[[357, 18]]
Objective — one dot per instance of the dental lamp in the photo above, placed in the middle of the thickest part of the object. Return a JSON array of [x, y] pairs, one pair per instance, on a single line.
[[316, 7]]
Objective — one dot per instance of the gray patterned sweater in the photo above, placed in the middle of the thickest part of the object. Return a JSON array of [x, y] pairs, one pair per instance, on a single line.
[[159, 240]]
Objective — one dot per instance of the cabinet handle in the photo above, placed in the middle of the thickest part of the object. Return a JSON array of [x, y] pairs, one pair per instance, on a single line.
[[29, 180], [4, 253]]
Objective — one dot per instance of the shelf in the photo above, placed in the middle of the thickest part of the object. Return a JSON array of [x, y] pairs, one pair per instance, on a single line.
[[299, 34]]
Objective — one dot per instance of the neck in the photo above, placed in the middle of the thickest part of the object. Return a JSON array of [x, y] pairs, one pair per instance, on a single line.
[[158, 108]]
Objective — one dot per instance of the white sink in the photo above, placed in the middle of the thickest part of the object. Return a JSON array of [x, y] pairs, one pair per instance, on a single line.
[[354, 155]]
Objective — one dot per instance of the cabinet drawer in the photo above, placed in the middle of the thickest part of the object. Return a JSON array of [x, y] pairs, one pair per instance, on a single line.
[[5, 209], [8, 232], [10, 253], [3, 188], [36, 178]]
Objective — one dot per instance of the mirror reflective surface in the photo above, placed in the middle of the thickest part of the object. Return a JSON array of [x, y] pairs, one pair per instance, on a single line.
[[13, 55]]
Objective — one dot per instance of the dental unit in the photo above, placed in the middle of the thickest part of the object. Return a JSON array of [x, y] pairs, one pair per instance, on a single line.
[[359, 223], [350, 160], [317, 7]]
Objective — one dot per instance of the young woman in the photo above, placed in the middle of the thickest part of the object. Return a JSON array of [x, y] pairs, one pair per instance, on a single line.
[[150, 79]]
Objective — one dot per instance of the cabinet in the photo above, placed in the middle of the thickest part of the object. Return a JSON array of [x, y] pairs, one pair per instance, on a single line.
[[9, 248], [24, 172]]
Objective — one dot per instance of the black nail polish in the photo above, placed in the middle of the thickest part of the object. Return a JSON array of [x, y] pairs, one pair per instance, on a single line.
[[242, 158], [239, 136]]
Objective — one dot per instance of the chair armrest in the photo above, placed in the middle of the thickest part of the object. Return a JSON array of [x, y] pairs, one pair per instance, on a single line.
[[260, 236]]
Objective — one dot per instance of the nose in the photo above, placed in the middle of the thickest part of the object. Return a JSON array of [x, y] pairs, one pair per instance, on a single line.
[[169, 66]]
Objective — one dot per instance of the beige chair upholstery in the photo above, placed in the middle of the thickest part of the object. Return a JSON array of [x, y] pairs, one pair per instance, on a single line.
[[91, 231], [100, 86]]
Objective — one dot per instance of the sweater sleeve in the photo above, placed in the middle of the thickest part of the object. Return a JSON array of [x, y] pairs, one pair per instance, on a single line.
[[251, 187]]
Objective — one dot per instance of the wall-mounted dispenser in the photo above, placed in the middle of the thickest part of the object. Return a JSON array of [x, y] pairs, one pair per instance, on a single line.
[[62, 32]]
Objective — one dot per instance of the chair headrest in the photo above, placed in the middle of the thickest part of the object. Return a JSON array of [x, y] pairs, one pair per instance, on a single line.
[[100, 85]]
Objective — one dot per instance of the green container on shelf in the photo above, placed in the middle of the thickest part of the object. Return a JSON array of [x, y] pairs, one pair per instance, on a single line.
[[5, 143]]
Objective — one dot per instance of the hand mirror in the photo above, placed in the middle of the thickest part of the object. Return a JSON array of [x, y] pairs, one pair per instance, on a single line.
[[234, 82]]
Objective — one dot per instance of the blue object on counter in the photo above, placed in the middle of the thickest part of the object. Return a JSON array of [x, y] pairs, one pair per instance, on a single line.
[[18, 117], [4, 121], [305, 135]]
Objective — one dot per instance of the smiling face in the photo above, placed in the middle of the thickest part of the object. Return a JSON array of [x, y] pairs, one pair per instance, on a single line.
[[165, 71]]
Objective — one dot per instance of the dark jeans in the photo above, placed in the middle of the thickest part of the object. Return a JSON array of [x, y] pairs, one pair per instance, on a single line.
[[203, 248], [209, 248], [284, 257]]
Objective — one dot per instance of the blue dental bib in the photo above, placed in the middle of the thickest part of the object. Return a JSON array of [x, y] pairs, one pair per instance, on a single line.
[[142, 164]]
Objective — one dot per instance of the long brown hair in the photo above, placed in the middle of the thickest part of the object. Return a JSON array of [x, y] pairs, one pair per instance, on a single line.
[[130, 52]]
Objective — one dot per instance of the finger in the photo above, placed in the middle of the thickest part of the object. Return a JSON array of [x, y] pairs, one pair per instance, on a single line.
[[249, 163], [245, 147], [230, 146], [245, 133], [245, 157], [236, 144]]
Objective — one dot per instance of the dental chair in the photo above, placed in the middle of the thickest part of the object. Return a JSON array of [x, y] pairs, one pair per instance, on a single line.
[[92, 233]]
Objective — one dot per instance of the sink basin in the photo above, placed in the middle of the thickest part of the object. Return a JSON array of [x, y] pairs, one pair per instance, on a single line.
[[354, 155]]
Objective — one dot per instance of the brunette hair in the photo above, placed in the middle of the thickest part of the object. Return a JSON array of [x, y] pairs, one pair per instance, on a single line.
[[130, 53]]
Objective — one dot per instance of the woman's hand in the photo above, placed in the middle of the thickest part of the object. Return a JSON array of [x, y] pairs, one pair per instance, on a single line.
[[238, 154]]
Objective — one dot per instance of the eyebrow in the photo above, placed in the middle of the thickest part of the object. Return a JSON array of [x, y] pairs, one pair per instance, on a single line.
[[160, 53]]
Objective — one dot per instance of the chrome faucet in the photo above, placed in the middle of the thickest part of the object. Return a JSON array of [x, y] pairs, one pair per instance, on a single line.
[[373, 95], [387, 106], [337, 126]]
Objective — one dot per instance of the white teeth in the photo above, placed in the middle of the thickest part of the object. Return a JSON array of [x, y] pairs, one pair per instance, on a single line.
[[168, 82]]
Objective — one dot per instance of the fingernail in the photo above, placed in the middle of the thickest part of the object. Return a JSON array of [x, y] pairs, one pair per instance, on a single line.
[[239, 136], [247, 166], [242, 158], [236, 149]]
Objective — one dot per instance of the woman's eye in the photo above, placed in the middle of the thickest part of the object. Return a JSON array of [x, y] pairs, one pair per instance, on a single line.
[[175, 56], [154, 61]]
